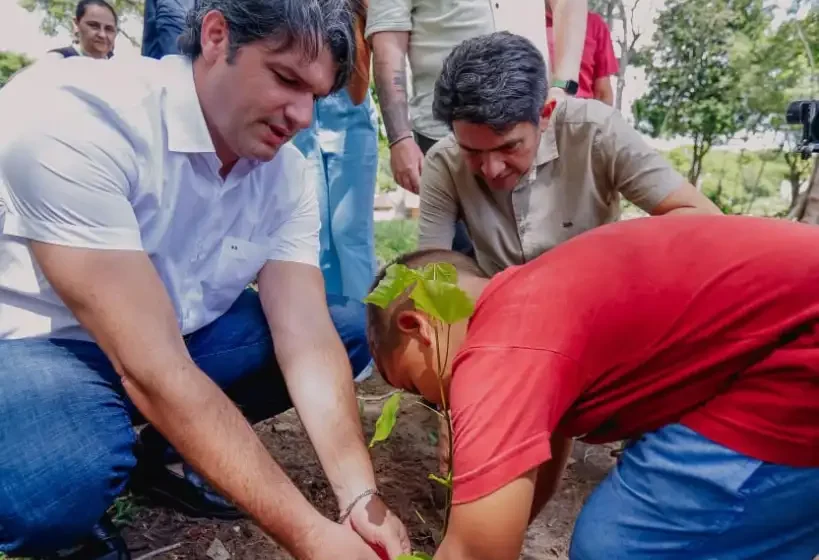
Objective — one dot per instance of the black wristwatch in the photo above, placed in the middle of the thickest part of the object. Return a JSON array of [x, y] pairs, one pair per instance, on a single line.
[[569, 86]]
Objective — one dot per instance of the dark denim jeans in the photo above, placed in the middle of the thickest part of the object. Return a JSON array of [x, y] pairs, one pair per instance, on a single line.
[[163, 23], [66, 425]]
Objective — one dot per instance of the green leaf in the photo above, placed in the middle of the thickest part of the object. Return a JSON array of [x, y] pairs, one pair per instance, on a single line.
[[442, 300], [443, 272], [447, 482], [398, 278], [414, 555], [386, 421]]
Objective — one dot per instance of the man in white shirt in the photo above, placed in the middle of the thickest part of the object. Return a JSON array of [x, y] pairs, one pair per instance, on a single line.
[[137, 201]]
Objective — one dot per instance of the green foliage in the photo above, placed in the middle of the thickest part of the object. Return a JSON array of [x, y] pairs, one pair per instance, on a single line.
[[434, 291], [701, 48], [394, 238], [445, 482], [10, 64], [386, 421], [414, 556], [739, 182]]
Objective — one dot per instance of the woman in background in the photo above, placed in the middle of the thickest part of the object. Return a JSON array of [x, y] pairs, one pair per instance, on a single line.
[[95, 30]]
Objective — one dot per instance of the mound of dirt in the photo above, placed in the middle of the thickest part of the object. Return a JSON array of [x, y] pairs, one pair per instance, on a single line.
[[402, 464]]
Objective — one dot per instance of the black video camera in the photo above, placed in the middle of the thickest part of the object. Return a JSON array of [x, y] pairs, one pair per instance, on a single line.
[[805, 113]]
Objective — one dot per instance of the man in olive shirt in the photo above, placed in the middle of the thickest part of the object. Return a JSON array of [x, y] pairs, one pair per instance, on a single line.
[[524, 174]]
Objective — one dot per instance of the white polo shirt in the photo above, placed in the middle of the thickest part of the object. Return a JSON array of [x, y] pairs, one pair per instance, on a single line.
[[117, 155]]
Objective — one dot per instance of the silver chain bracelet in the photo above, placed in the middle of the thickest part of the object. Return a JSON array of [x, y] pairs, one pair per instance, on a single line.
[[371, 492]]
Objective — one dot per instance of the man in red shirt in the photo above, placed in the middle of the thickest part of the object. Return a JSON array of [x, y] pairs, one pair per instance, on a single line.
[[598, 63], [697, 337]]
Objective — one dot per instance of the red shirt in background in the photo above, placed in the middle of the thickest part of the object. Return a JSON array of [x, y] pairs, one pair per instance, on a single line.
[[598, 54], [711, 321]]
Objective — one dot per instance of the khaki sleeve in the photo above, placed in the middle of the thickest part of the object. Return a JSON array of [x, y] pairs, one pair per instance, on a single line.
[[388, 15], [439, 204], [634, 168]]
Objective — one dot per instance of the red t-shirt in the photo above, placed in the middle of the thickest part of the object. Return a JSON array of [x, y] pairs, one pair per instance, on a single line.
[[598, 53], [711, 321]]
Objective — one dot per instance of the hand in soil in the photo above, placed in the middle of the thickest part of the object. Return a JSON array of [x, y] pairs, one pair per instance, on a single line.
[[380, 527]]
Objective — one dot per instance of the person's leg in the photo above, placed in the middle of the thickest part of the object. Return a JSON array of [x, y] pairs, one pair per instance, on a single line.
[[307, 141], [349, 140], [237, 352], [67, 443], [677, 495], [163, 23], [461, 241]]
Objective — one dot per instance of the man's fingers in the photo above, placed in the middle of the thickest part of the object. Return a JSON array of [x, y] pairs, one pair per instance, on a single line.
[[414, 179], [394, 539]]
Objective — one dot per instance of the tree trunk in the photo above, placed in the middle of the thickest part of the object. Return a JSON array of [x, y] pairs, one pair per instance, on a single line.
[[700, 149], [624, 57], [809, 210]]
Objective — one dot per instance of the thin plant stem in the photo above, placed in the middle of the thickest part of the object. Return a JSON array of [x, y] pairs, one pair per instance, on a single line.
[[448, 419], [419, 403]]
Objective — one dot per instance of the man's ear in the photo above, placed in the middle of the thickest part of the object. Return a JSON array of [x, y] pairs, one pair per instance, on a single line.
[[214, 37], [416, 325]]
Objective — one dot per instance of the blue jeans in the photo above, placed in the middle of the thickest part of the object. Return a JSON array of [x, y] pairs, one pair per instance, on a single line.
[[163, 24], [66, 425], [341, 147], [676, 495]]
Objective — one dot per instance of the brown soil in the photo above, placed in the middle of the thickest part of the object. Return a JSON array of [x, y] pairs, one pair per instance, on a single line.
[[401, 463]]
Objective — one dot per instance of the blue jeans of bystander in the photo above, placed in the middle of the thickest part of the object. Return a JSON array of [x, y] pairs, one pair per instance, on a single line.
[[341, 147]]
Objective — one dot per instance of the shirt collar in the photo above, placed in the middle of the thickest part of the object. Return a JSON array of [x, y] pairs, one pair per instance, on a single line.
[[547, 149], [184, 121]]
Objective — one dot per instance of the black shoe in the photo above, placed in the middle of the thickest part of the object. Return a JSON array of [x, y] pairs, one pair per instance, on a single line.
[[189, 494], [104, 543]]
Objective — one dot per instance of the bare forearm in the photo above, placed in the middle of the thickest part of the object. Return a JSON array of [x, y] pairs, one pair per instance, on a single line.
[[603, 91], [390, 69], [322, 390], [213, 436], [569, 17]]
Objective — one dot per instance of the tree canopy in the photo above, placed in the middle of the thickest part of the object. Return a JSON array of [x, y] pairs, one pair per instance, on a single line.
[[10, 64]]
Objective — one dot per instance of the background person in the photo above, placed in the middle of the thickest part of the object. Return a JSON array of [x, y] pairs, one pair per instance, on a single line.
[[95, 31], [341, 147], [598, 63], [526, 174], [424, 33], [163, 23]]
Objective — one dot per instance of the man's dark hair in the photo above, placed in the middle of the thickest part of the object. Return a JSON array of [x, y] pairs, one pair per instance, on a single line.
[[82, 6], [382, 335], [497, 79], [305, 24]]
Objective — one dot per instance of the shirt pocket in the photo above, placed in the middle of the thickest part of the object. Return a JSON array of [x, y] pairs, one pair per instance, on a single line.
[[237, 265]]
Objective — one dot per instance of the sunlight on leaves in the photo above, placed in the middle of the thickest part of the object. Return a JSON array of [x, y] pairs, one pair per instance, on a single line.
[[386, 421], [442, 272], [397, 279], [446, 302]]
